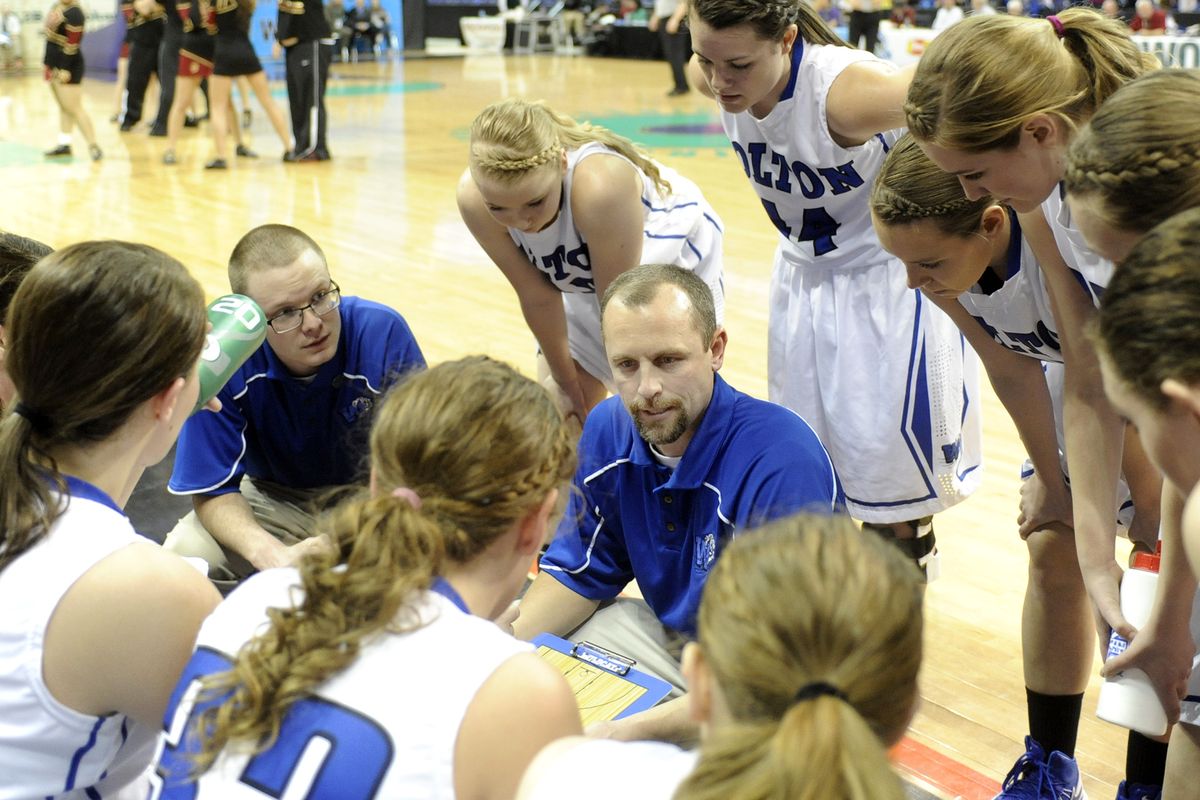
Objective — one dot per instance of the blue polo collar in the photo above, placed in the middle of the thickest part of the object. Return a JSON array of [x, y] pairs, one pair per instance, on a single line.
[[696, 464]]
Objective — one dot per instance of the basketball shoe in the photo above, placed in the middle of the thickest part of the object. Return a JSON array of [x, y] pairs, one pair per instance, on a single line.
[[1037, 776], [1138, 791]]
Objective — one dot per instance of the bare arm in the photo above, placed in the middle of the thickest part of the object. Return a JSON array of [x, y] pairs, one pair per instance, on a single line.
[[550, 607], [522, 707], [1093, 431], [121, 636], [1020, 385], [541, 302], [231, 521], [1163, 649], [606, 198], [867, 98], [667, 722]]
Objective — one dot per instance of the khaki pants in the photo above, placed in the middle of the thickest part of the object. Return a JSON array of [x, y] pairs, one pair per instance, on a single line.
[[629, 627], [290, 515]]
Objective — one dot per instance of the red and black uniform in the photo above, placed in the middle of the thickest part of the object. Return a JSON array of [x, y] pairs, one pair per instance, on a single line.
[[234, 55], [64, 59], [307, 63], [199, 38], [145, 35]]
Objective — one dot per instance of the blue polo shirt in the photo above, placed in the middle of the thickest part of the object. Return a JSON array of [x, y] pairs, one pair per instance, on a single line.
[[630, 517], [301, 433]]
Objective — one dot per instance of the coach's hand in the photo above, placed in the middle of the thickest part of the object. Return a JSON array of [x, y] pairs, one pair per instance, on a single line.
[[289, 555]]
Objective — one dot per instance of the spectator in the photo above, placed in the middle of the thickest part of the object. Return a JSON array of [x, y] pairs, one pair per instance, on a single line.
[[1148, 19], [948, 13], [904, 15], [983, 7], [829, 12], [1015, 8]]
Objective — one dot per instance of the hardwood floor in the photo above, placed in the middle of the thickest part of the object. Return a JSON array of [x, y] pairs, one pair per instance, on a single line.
[[385, 214]]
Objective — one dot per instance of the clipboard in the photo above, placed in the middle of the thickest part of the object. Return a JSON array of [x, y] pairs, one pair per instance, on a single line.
[[605, 683]]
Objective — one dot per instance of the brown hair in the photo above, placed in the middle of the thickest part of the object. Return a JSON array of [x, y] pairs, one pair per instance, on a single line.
[[849, 616], [512, 137], [17, 256], [980, 79], [639, 286], [95, 330], [770, 19], [1148, 324], [268, 247], [482, 446], [910, 187], [1139, 154]]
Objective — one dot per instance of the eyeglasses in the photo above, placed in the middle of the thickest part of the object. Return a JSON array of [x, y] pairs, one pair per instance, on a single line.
[[322, 303]]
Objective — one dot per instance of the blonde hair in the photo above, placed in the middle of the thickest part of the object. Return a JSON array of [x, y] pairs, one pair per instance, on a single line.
[[481, 446], [808, 600], [980, 79], [1139, 154], [910, 187], [1147, 323], [511, 138]]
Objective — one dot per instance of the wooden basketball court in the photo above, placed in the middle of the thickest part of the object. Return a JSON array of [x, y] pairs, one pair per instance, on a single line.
[[383, 209]]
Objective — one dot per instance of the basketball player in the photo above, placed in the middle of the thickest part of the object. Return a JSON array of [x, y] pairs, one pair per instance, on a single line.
[[996, 101], [391, 657], [98, 622], [294, 417], [968, 257], [883, 376], [670, 471], [792, 701], [64, 73], [1136, 165], [563, 208]]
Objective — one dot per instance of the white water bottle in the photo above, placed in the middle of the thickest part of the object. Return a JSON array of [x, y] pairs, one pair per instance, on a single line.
[[1127, 698]]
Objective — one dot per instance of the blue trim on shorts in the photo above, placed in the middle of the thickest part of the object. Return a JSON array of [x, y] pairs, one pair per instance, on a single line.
[[919, 362]]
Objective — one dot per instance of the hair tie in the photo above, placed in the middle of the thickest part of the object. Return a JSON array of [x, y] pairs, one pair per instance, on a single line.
[[1057, 24], [404, 493], [817, 688], [40, 422]]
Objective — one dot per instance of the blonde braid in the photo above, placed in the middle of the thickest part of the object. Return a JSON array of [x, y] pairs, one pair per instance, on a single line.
[[496, 164], [1143, 164], [910, 187]]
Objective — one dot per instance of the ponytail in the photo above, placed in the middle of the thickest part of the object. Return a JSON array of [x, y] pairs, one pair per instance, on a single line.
[[821, 749], [818, 679], [392, 552], [980, 79]]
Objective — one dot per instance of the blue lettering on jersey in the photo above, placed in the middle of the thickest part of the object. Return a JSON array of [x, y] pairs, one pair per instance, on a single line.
[[1033, 343], [573, 268], [347, 753], [772, 170]]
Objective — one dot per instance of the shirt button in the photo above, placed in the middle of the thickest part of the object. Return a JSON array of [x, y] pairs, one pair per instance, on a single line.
[[671, 526], [668, 499]]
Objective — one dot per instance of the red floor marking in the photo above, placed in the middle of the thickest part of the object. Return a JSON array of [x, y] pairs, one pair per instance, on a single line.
[[941, 774]]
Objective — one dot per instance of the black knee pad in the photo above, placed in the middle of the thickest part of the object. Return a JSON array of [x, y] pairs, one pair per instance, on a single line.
[[921, 549]]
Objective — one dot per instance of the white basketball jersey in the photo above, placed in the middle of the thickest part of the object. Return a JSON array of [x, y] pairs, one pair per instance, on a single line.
[[814, 190], [680, 228], [46, 748], [1092, 270], [1018, 315], [385, 727], [624, 770]]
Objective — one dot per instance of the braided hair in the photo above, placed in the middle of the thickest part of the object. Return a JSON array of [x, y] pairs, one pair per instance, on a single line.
[[910, 187], [1139, 155]]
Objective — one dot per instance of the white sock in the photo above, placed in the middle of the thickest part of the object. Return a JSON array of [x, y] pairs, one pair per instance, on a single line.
[[64, 138]]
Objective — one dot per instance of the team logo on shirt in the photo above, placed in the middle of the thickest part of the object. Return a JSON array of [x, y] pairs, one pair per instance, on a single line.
[[706, 552]]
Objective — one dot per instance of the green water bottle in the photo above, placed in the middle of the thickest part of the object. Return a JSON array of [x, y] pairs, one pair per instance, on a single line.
[[238, 329]]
